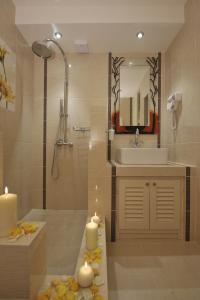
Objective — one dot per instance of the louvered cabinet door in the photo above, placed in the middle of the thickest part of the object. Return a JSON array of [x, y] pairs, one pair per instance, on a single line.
[[133, 204], [164, 204]]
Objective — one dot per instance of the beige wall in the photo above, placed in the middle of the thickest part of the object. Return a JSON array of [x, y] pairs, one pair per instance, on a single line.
[[16, 126], [79, 166], [1, 163], [183, 74]]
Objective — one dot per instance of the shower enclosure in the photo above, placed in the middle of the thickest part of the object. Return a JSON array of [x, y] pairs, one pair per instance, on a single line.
[[60, 167], [60, 162], [44, 50]]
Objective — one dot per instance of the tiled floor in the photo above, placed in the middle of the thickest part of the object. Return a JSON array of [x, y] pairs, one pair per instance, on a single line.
[[64, 234], [154, 270]]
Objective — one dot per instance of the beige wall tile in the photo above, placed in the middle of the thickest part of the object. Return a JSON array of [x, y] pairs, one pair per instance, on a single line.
[[23, 129], [182, 67], [87, 108], [16, 126], [1, 163]]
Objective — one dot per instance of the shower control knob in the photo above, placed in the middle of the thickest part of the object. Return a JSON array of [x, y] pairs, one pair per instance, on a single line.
[[147, 183], [154, 183]]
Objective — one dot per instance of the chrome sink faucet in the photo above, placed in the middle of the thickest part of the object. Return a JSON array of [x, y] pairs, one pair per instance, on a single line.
[[136, 143]]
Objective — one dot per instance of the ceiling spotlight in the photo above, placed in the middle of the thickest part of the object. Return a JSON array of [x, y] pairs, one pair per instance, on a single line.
[[140, 35], [69, 65], [130, 63], [57, 35]]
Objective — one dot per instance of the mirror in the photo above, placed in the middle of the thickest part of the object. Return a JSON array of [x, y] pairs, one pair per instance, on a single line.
[[135, 94]]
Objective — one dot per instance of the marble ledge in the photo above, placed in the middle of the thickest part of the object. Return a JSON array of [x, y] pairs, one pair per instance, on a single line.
[[23, 263], [170, 169], [103, 289]]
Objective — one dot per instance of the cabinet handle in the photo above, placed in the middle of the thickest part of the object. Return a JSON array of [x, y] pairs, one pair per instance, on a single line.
[[147, 183], [154, 183]]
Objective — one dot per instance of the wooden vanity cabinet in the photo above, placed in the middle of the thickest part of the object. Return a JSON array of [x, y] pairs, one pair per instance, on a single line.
[[133, 203], [165, 204], [150, 206]]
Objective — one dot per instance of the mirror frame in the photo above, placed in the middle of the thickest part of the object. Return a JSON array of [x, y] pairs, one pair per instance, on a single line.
[[155, 96]]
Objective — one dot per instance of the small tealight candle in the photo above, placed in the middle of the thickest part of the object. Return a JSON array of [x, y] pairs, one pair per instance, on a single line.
[[85, 276], [8, 213], [91, 235], [96, 219]]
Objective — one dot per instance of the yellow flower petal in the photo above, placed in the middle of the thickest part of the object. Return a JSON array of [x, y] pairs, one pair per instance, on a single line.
[[93, 256], [98, 297], [70, 296], [61, 290], [94, 289], [42, 297], [73, 286], [28, 227], [45, 295], [56, 282], [57, 298], [15, 232]]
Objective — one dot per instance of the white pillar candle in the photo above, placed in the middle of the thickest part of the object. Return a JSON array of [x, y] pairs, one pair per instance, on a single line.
[[85, 276], [96, 218], [91, 235], [8, 213]]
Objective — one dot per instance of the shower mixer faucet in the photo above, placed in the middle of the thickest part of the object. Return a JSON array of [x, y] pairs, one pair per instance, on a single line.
[[61, 142]]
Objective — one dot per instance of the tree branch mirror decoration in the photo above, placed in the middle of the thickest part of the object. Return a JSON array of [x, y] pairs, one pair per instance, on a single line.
[[135, 92]]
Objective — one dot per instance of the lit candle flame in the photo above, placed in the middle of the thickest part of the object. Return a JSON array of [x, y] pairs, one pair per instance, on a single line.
[[6, 191], [96, 200], [96, 187], [90, 145], [95, 214], [85, 264]]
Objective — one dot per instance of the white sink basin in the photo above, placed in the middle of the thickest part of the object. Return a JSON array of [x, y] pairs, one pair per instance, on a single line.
[[142, 156]]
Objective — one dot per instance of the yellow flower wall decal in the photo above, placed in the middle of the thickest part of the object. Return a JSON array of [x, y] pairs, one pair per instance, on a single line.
[[6, 75], [3, 52], [6, 90]]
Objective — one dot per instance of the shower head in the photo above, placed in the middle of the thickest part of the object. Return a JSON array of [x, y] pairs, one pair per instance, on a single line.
[[42, 49]]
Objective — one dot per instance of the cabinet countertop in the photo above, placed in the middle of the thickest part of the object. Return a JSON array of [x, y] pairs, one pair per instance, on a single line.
[[169, 169]]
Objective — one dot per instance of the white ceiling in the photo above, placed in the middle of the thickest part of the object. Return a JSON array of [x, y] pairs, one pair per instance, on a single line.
[[106, 37], [96, 2], [105, 25]]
